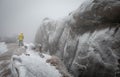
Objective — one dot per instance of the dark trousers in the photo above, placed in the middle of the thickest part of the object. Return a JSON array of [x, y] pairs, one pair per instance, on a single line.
[[20, 42]]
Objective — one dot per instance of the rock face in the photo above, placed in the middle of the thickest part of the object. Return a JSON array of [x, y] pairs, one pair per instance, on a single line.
[[88, 40]]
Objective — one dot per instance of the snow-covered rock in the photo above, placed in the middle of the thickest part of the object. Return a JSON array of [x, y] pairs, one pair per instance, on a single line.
[[28, 64], [32, 64], [87, 40], [55, 61]]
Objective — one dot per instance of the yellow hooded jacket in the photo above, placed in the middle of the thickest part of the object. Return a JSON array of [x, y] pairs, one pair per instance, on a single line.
[[21, 37]]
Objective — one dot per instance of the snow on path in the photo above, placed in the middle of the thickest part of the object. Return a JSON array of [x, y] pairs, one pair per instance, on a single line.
[[3, 48], [32, 65]]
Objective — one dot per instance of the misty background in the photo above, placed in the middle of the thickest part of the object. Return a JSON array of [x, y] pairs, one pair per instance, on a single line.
[[25, 15]]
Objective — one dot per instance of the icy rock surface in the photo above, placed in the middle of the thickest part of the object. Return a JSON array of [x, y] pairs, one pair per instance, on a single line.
[[21, 62], [88, 40], [32, 64]]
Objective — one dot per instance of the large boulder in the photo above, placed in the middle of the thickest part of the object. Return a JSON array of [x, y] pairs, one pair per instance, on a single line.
[[87, 40]]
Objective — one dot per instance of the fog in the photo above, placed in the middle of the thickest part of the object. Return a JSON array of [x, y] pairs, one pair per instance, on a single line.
[[25, 15]]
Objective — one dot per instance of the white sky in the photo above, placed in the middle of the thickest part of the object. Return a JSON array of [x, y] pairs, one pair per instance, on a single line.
[[25, 15]]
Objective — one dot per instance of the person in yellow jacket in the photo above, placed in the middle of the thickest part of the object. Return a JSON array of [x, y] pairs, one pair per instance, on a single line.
[[20, 38]]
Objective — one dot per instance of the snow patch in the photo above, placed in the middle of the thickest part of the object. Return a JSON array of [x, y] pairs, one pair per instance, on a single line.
[[3, 48], [33, 65]]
